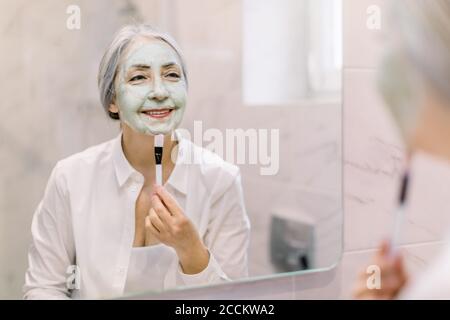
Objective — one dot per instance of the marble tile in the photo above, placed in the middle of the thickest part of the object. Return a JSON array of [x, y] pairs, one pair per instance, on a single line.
[[363, 44], [417, 257], [373, 155]]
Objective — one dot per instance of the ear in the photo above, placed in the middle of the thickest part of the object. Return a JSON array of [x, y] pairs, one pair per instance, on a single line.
[[113, 108]]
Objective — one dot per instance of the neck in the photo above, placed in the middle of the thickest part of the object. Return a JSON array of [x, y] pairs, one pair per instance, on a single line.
[[140, 152]]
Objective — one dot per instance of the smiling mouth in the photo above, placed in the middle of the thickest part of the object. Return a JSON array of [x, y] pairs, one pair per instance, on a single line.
[[158, 113]]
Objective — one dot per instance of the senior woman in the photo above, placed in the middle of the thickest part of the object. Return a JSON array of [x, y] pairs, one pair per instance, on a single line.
[[415, 80], [104, 228]]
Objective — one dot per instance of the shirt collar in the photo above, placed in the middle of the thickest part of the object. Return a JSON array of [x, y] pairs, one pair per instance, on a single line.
[[179, 176]]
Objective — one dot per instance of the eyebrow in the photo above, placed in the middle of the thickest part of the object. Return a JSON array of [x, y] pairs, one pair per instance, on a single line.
[[144, 66], [140, 66], [170, 64]]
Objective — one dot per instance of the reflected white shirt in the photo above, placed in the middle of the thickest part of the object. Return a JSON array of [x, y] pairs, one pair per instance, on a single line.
[[147, 268], [87, 217]]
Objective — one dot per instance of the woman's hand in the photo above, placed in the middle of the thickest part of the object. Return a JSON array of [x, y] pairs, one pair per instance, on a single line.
[[393, 276], [167, 223], [150, 239]]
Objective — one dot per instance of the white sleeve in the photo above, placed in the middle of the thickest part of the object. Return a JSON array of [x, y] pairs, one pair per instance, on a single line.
[[52, 249], [227, 240]]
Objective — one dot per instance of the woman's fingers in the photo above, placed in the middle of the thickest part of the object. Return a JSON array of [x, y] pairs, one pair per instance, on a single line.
[[398, 264], [385, 248], [156, 221], [360, 288], [168, 201], [392, 276], [161, 211], [387, 290], [151, 234], [149, 227]]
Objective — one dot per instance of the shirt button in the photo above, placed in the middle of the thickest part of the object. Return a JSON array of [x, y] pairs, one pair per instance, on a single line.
[[121, 271]]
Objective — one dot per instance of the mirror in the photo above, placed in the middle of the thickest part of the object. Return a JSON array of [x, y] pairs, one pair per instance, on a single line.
[[264, 94]]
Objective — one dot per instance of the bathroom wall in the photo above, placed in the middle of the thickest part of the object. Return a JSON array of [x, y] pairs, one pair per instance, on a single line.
[[45, 109], [48, 111]]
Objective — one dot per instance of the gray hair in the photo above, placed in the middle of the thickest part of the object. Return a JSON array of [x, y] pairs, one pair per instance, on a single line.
[[423, 29], [113, 55], [416, 58]]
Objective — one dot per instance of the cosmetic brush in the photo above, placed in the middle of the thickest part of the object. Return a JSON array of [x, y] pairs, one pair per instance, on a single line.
[[159, 142], [399, 214]]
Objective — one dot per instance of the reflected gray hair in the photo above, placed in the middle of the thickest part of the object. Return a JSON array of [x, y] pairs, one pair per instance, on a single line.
[[113, 55], [417, 58]]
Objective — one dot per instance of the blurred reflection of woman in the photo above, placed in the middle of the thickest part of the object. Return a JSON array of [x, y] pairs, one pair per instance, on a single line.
[[415, 80], [103, 217]]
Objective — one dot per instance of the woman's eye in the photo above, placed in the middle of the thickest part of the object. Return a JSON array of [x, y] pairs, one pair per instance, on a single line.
[[139, 77], [173, 75]]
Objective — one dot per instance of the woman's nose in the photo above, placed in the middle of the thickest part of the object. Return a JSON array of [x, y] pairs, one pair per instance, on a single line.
[[159, 91]]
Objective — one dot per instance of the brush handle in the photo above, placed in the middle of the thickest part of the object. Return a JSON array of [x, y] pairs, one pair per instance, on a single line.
[[400, 213], [159, 174], [396, 232]]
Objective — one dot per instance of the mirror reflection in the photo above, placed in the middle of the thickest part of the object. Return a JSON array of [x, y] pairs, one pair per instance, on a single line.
[[180, 147]]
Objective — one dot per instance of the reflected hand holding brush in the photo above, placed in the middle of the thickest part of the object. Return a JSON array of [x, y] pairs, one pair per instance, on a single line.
[[159, 143], [168, 223]]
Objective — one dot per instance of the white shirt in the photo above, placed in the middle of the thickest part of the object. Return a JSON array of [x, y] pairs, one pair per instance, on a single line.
[[147, 268], [434, 283], [87, 217], [428, 197]]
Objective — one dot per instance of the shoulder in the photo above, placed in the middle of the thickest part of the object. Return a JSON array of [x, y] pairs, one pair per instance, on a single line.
[[212, 164], [85, 161], [217, 174]]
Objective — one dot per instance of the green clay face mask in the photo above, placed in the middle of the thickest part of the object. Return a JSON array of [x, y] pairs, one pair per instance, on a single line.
[[151, 89]]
